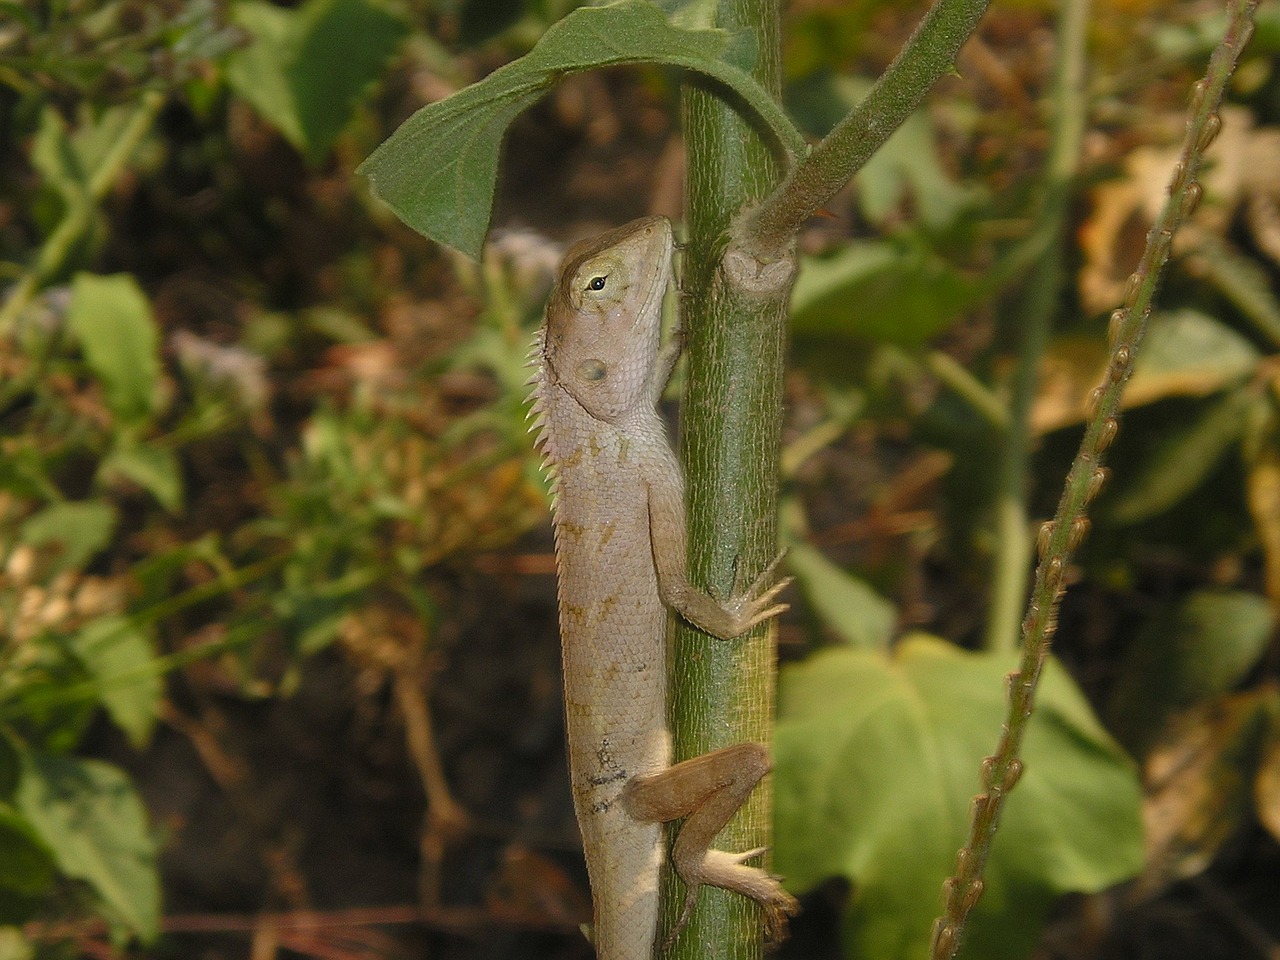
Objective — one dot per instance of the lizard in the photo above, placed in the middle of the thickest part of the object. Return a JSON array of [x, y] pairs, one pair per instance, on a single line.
[[620, 528]]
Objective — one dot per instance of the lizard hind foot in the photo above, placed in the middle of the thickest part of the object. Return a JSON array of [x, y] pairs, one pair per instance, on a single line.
[[729, 871]]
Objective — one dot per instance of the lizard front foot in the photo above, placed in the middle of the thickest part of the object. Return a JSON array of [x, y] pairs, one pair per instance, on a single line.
[[755, 605]]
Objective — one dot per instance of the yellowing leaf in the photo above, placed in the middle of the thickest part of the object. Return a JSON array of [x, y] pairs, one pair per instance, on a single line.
[[1184, 354]]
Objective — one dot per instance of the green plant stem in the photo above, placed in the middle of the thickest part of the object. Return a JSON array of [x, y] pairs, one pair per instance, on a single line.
[[730, 436], [1064, 534], [78, 217], [969, 388], [1013, 538], [930, 54]]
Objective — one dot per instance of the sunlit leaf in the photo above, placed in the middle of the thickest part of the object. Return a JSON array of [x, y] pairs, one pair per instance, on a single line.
[[79, 528], [878, 758], [67, 157], [438, 170], [118, 655], [14, 945], [1266, 785], [112, 320], [89, 816], [154, 469]]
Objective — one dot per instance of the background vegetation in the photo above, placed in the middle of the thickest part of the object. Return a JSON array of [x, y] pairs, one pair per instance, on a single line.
[[277, 646]]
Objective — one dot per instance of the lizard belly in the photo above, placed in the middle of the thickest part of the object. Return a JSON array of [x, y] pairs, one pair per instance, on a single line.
[[613, 629]]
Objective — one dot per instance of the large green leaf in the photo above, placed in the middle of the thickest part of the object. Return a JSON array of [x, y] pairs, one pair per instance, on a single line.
[[118, 655], [896, 291], [877, 761], [438, 170], [307, 68], [112, 320], [87, 813]]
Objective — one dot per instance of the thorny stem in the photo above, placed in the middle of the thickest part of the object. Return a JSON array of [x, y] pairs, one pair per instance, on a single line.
[[1060, 537], [929, 54]]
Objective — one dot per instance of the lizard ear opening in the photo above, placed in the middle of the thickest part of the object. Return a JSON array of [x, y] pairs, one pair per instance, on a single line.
[[592, 370]]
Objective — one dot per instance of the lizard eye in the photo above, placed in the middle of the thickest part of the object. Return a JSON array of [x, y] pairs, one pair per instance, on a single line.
[[596, 283], [591, 370]]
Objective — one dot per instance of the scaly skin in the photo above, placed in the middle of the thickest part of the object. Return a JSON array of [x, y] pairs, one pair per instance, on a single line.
[[620, 552]]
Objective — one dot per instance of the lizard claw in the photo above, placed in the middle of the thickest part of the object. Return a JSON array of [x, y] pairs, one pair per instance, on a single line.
[[764, 888], [754, 605]]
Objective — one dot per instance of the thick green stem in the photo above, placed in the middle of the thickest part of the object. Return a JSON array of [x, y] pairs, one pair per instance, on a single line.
[[1013, 538], [929, 54], [730, 436], [1060, 538]]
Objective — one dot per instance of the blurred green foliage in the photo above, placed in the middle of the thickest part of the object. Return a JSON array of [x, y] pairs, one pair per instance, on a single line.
[[246, 470]]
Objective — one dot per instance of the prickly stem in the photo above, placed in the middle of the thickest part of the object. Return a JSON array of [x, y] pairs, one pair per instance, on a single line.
[[1061, 536]]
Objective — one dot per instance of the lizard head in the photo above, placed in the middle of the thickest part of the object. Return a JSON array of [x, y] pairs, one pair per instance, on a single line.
[[604, 317]]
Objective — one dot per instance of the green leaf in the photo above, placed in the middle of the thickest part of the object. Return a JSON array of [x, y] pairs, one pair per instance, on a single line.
[[878, 758], [81, 528], [26, 866], [1180, 461], [13, 944], [118, 655], [892, 291], [112, 320], [438, 170], [1188, 353], [1197, 649], [89, 816], [844, 602], [66, 158], [153, 468], [308, 68]]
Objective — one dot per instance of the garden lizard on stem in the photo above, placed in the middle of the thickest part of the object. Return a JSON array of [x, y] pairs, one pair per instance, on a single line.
[[618, 504]]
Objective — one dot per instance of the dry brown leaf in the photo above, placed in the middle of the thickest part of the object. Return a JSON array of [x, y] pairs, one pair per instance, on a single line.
[[1263, 484], [1244, 164], [1266, 786], [1198, 785]]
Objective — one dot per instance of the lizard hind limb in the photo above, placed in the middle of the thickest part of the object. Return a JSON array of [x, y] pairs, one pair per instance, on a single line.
[[707, 790]]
